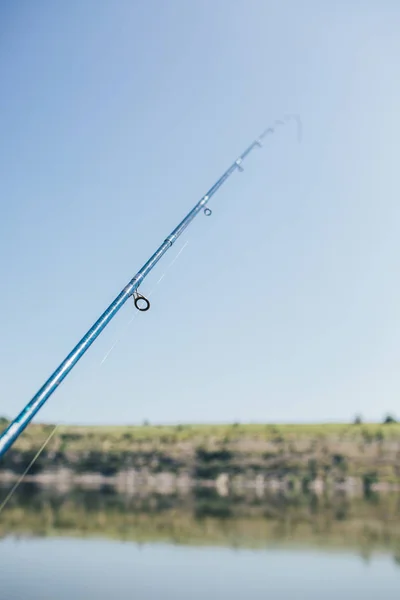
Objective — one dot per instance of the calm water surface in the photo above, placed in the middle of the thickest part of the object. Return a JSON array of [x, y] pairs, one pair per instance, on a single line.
[[85, 569], [59, 548]]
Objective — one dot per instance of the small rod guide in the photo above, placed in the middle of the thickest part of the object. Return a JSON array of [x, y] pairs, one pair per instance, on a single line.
[[17, 426]]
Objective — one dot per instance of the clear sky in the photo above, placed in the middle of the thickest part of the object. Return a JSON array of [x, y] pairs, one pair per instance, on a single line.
[[115, 118]]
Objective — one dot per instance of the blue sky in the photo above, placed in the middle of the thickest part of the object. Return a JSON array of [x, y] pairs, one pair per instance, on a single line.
[[115, 118]]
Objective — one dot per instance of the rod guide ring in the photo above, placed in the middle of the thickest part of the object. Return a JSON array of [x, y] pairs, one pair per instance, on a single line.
[[138, 299], [208, 212]]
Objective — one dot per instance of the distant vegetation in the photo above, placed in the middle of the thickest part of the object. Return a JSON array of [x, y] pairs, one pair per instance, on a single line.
[[296, 456], [389, 420]]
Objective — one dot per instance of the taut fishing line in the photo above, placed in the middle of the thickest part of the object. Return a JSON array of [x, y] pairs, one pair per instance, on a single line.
[[57, 427]]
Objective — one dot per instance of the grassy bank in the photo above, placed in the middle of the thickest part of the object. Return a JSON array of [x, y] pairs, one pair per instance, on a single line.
[[122, 437], [302, 453]]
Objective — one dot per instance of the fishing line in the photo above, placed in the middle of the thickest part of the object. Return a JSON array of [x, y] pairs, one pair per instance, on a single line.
[[56, 427], [34, 459]]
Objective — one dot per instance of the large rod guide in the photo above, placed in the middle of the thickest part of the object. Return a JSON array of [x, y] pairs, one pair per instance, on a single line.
[[17, 426]]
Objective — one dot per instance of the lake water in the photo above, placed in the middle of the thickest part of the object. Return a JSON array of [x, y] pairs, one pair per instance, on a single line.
[[101, 545]]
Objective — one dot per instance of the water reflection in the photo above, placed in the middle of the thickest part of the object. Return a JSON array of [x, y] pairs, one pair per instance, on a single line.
[[203, 517]]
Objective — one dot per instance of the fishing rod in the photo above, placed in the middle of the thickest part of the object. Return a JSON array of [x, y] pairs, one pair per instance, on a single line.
[[18, 425]]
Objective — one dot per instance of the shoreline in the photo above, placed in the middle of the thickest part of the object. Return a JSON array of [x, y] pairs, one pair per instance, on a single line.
[[132, 481]]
